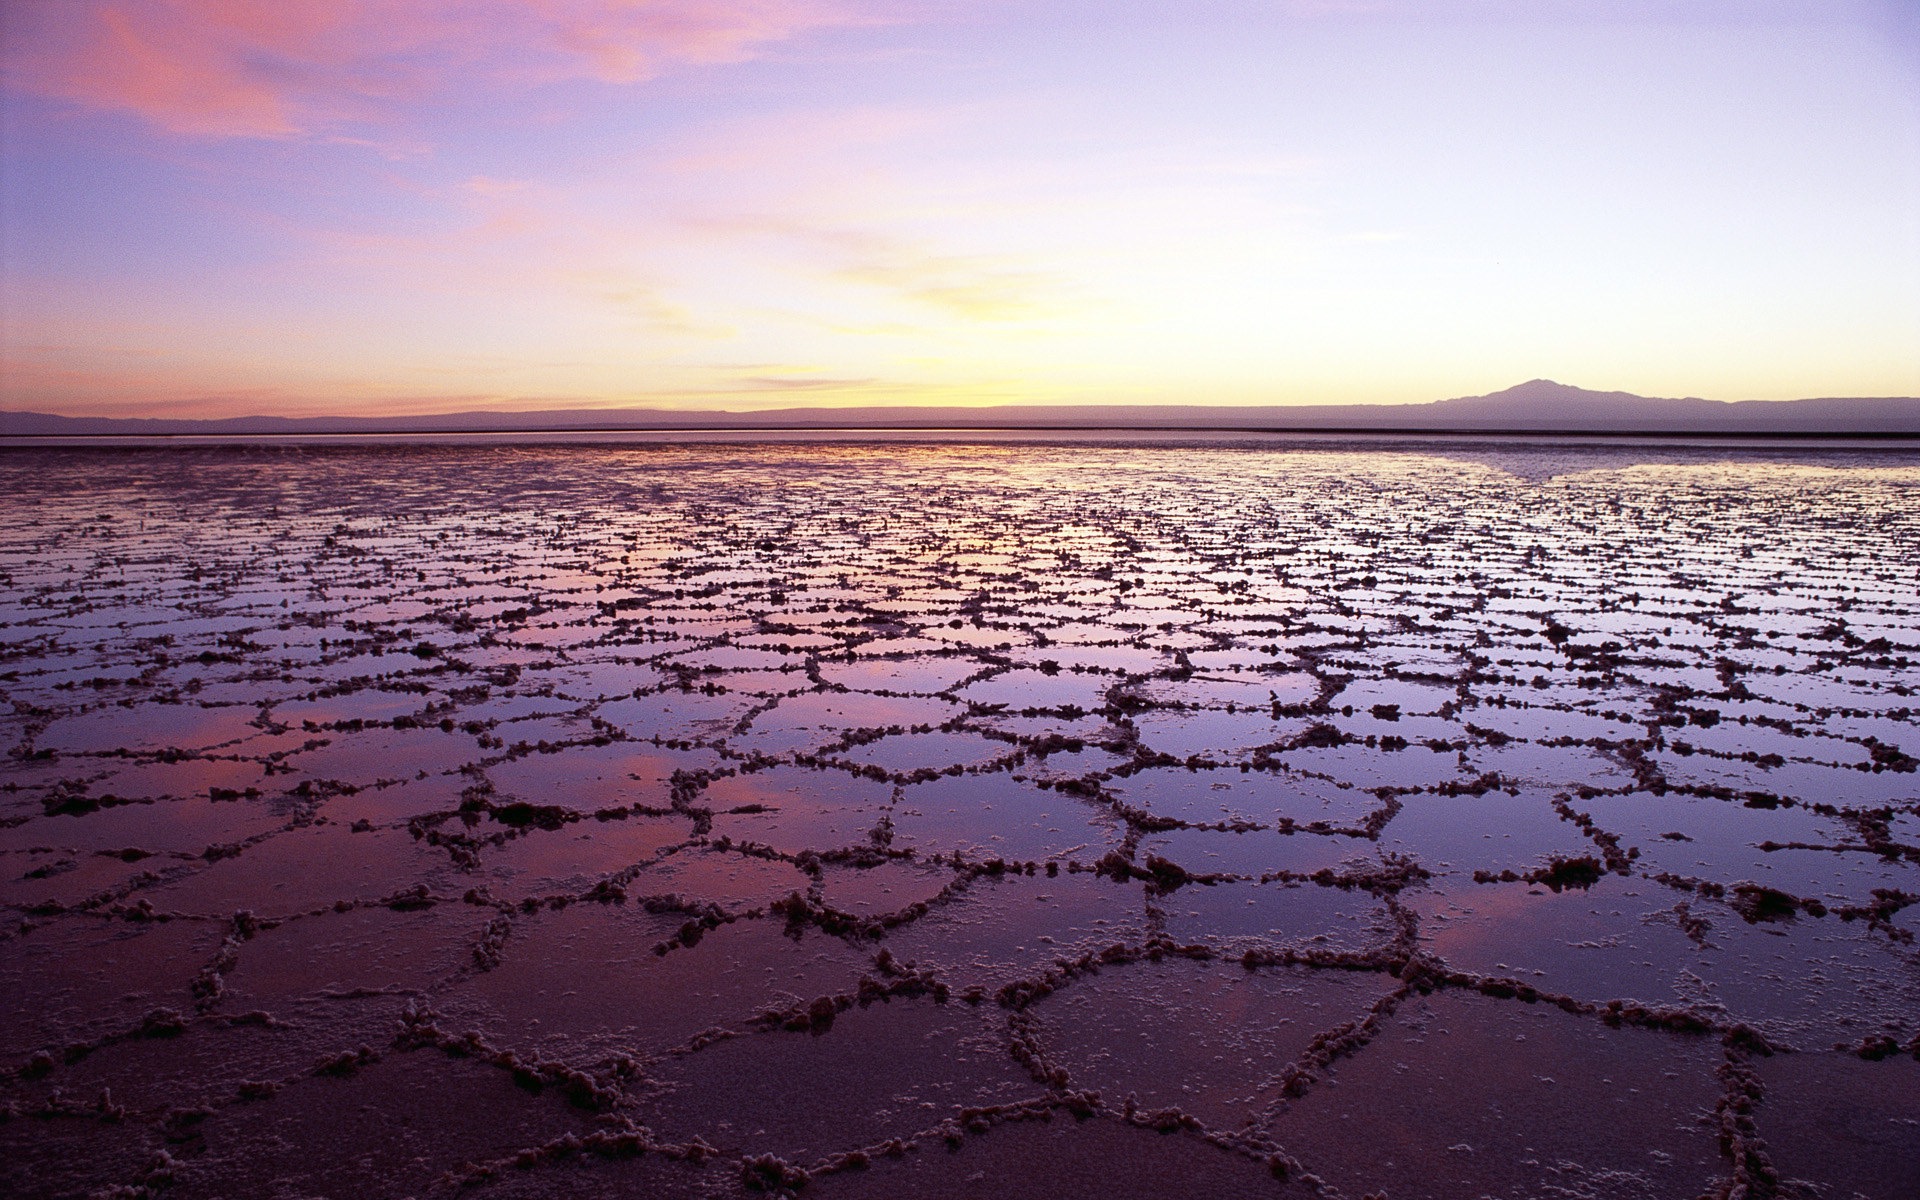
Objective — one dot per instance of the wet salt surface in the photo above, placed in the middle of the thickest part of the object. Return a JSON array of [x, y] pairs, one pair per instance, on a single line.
[[959, 821]]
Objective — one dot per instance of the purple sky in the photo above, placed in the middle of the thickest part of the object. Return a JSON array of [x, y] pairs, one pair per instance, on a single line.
[[222, 206]]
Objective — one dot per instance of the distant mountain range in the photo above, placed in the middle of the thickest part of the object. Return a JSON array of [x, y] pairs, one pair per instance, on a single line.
[[1540, 406]]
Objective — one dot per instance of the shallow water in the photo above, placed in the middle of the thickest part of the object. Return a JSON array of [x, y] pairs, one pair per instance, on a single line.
[[1257, 817]]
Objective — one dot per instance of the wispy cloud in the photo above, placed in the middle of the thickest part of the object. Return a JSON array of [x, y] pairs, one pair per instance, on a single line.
[[975, 287], [280, 68], [787, 383]]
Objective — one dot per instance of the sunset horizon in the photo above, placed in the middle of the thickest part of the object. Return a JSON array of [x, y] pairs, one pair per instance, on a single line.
[[1539, 404], [216, 208]]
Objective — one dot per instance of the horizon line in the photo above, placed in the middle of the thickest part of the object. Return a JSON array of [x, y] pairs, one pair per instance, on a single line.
[[1877, 435]]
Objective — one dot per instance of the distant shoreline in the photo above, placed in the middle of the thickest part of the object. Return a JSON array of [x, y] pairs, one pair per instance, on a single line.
[[1537, 408], [586, 434]]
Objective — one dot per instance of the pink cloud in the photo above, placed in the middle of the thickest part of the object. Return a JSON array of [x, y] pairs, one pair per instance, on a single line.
[[277, 68]]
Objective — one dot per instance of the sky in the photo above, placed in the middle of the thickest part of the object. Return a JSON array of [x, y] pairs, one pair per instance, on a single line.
[[224, 207]]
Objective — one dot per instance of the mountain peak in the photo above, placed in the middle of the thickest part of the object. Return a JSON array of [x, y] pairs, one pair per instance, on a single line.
[[1538, 405], [1545, 403]]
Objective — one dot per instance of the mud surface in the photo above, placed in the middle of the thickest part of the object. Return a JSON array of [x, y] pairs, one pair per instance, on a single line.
[[958, 821]]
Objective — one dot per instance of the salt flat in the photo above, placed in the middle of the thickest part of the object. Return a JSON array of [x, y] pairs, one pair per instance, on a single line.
[[960, 819]]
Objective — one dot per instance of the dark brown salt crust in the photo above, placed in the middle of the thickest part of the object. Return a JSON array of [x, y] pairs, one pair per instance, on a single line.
[[1395, 873], [1615, 1013], [613, 889], [1877, 1046], [1025, 1045], [1558, 875], [867, 734], [1139, 820], [1649, 780], [112, 900], [106, 905], [879, 774], [1619, 861], [1019, 994], [1026, 1049], [764, 1172], [705, 916], [801, 911], [420, 1029], [210, 984], [1757, 903], [1332, 1045], [156, 1023], [1023, 1042], [1887, 848], [1753, 1176], [895, 979], [309, 794], [1875, 827], [1766, 760], [1889, 758], [1417, 972], [1695, 927], [488, 951], [520, 818], [1163, 877], [70, 797], [775, 1175], [102, 1108]]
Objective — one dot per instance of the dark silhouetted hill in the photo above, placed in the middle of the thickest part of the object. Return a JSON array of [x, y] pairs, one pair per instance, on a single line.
[[1537, 406]]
